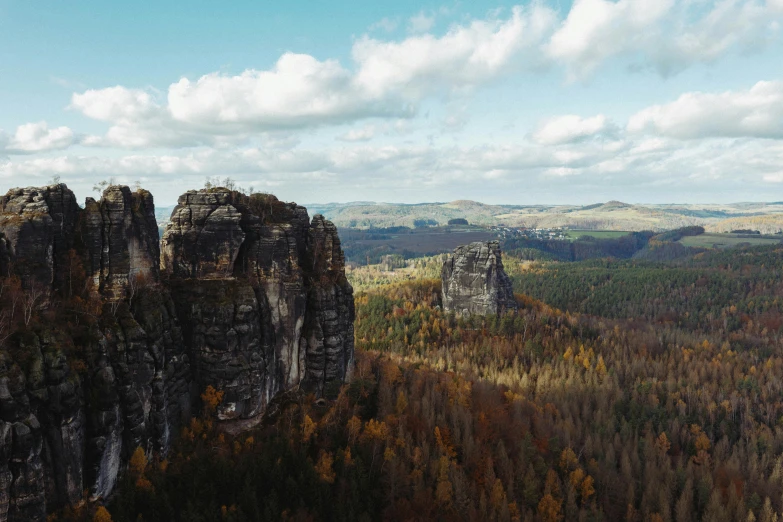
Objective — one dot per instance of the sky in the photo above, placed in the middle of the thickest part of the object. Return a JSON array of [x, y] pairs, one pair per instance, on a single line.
[[541, 102]]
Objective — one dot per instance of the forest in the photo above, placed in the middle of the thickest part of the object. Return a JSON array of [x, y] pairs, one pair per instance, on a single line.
[[621, 390]]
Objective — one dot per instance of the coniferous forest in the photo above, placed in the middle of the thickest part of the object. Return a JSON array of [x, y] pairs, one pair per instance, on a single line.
[[621, 390]]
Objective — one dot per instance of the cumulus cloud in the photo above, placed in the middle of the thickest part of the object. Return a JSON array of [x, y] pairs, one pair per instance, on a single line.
[[757, 112], [571, 128], [138, 119], [597, 29], [466, 56], [730, 24], [664, 34], [115, 104], [298, 91], [391, 78], [36, 137]]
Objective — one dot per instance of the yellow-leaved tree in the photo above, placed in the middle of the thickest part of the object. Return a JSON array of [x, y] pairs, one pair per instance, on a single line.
[[549, 509], [324, 467], [138, 462], [212, 399], [101, 515]]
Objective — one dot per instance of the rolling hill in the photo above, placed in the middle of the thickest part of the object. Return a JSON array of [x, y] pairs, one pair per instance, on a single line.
[[613, 215]]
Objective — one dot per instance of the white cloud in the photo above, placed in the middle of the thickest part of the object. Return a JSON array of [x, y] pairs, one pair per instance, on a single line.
[[115, 104], [665, 34], [742, 24], [365, 133], [137, 117], [391, 78], [385, 24], [36, 137], [301, 91], [757, 112], [466, 56], [298, 91], [597, 29], [421, 23], [714, 169], [570, 128]]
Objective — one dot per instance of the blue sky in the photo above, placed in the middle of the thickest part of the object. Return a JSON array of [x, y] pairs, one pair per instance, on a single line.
[[538, 102]]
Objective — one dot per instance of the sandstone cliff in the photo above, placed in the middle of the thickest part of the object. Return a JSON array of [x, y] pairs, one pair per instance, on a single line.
[[246, 295], [262, 295], [474, 281], [121, 237], [39, 226]]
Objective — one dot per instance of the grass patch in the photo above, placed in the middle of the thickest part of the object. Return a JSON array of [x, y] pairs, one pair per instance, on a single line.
[[727, 240], [598, 234]]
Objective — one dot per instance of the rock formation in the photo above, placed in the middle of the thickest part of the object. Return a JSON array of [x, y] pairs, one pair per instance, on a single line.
[[262, 296], [121, 237], [246, 295], [474, 281], [39, 226]]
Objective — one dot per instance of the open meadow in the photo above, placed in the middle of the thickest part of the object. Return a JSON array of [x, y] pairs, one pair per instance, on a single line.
[[728, 240], [598, 234]]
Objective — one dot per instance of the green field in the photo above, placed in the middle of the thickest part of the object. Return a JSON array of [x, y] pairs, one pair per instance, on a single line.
[[727, 240], [598, 234]]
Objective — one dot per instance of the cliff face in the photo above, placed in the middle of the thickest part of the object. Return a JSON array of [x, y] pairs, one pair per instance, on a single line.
[[39, 226], [121, 237], [250, 297], [262, 296], [474, 281]]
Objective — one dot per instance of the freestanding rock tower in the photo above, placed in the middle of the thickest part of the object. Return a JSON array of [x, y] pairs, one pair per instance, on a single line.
[[474, 282], [261, 294]]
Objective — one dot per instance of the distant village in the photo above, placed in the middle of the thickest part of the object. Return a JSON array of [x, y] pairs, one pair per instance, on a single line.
[[529, 233]]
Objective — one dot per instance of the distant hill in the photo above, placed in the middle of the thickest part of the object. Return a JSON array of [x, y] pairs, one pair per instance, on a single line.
[[612, 215], [767, 218]]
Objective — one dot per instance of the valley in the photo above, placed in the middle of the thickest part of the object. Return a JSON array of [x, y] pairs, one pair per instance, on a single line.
[[356, 261], [470, 373]]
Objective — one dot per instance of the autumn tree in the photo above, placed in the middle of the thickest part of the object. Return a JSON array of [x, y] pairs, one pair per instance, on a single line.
[[549, 509], [211, 399], [101, 515], [138, 462], [324, 467]]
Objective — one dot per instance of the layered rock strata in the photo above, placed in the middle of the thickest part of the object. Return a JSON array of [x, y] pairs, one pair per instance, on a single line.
[[121, 240], [39, 227], [246, 295], [474, 282], [262, 296]]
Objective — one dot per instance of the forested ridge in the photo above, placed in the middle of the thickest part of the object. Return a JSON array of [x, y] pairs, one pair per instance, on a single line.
[[622, 390], [722, 291]]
